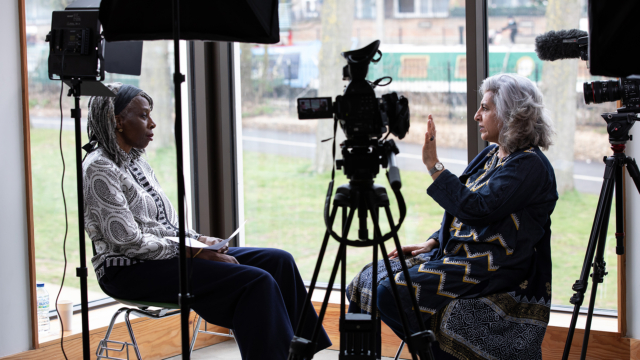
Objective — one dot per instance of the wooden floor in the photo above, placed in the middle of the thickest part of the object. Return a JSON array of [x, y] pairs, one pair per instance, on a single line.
[[228, 350]]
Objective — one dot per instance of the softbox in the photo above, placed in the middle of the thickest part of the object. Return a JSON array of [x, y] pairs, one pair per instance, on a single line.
[[613, 37], [254, 21]]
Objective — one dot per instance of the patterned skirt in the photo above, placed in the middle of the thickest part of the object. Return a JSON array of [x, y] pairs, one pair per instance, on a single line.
[[506, 325]]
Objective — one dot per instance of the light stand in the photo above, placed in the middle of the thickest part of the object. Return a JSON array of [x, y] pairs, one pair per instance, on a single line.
[[184, 297], [76, 89], [81, 272]]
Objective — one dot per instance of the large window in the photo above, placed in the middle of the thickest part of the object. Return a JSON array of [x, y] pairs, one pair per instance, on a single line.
[[46, 171], [287, 167], [581, 139], [422, 8]]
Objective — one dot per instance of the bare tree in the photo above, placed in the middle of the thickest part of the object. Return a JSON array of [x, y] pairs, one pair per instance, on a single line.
[[337, 23], [245, 74], [559, 89]]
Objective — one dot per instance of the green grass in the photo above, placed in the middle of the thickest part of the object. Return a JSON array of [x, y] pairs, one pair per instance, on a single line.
[[284, 202]]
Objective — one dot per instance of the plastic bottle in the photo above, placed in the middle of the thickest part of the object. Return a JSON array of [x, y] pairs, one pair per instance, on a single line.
[[43, 309]]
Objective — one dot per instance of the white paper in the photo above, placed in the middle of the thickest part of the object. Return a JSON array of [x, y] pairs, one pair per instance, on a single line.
[[223, 243], [188, 241], [197, 244]]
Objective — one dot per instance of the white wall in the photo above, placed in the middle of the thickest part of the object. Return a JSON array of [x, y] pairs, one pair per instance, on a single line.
[[15, 329], [633, 242]]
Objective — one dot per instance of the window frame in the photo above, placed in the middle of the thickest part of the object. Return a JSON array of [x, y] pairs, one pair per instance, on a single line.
[[417, 10]]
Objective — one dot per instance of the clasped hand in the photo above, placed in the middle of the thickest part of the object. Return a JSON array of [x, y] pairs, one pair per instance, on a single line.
[[210, 240], [219, 255]]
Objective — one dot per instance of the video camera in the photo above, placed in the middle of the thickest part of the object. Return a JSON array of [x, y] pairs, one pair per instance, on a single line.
[[361, 115], [625, 89]]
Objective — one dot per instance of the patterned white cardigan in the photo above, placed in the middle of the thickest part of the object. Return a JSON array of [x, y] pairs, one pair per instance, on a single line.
[[127, 215]]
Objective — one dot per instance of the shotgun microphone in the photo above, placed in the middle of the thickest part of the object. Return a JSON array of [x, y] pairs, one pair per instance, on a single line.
[[562, 44]]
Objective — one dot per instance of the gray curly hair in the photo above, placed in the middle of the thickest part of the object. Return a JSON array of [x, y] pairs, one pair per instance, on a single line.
[[101, 124], [519, 106]]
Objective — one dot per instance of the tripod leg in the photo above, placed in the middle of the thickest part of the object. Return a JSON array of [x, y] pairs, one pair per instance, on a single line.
[[336, 263], [580, 286], [343, 274], [599, 265], [394, 286], [396, 296], [619, 185], [405, 271], [633, 171], [316, 271]]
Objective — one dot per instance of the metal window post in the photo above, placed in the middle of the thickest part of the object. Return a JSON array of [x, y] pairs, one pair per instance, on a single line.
[[477, 69]]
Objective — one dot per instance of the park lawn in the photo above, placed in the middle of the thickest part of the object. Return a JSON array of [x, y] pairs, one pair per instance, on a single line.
[[284, 201]]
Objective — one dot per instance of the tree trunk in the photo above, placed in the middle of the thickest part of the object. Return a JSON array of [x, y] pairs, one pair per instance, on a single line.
[[337, 23], [264, 79], [559, 89], [246, 83], [155, 80]]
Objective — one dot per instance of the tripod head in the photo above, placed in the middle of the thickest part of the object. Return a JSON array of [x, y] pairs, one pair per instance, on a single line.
[[362, 160], [618, 125]]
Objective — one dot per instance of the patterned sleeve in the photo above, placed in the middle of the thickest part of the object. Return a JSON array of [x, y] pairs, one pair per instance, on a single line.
[[109, 220], [513, 187], [173, 215]]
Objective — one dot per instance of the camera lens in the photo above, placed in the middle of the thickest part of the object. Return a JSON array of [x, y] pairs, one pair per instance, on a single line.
[[598, 92]]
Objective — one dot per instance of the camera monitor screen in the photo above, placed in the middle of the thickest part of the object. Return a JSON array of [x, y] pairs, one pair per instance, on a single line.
[[314, 108]]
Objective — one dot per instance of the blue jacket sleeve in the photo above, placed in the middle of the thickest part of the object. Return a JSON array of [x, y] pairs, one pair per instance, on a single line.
[[511, 187]]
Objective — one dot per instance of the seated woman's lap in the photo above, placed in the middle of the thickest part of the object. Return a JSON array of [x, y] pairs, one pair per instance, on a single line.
[[214, 285]]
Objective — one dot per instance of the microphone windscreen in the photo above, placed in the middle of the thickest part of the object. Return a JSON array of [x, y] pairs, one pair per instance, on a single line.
[[550, 46]]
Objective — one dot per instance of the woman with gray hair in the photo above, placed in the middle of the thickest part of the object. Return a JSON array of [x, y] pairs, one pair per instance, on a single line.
[[257, 292], [486, 273]]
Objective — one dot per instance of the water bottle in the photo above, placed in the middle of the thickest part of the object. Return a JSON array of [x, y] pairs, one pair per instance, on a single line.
[[43, 309]]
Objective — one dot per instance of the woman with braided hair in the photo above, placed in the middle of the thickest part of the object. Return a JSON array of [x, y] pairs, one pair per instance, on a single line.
[[257, 292]]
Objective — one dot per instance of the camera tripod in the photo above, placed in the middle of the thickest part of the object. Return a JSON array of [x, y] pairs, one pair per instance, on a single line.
[[358, 332], [618, 126]]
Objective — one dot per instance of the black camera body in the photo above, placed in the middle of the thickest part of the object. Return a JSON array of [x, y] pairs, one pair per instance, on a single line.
[[361, 114], [625, 89]]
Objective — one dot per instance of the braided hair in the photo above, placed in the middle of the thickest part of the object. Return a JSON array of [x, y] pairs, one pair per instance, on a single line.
[[101, 125]]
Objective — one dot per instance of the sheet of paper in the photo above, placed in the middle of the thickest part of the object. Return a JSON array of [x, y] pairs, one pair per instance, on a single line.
[[188, 241], [223, 243], [197, 244]]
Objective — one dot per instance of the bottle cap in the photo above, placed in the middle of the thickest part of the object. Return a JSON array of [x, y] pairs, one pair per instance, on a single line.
[[40, 284]]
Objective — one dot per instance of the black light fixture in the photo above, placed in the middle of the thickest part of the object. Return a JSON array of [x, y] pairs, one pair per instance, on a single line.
[[613, 27], [254, 21]]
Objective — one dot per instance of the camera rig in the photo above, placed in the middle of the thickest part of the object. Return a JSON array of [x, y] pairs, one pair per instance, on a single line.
[[364, 120]]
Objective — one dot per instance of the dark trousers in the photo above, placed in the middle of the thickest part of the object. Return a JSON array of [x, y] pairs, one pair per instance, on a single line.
[[261, 299]]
